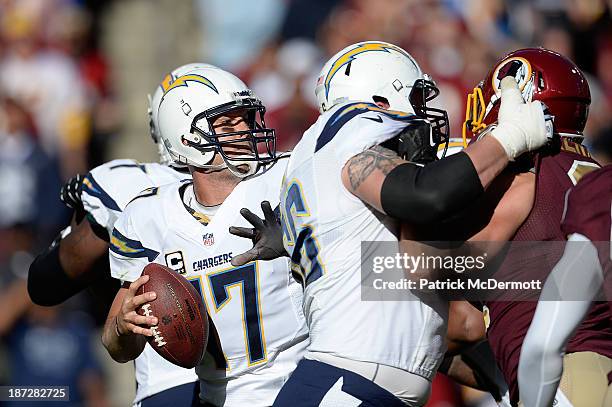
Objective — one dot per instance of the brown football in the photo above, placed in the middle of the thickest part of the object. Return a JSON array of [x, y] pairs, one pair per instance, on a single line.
[[181, 334]]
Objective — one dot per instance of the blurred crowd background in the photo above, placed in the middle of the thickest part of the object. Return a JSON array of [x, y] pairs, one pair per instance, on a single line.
[[74, 76]]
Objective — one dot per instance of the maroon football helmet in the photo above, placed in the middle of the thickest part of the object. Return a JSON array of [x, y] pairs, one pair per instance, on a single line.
[[542, 75]]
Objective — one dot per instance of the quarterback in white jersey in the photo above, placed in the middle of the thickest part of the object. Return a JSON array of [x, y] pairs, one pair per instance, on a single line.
[[79, 259], [255, 309], [341, 188], [209, 120]]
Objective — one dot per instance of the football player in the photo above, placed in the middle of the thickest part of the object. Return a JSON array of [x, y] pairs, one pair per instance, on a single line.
[[526, 204], [569, 291], [78, 259], [342, 187], [210, 121]]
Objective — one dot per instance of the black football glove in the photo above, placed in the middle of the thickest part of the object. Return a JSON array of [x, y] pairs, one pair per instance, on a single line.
[[70, 194], [414, 143], [267, 236]]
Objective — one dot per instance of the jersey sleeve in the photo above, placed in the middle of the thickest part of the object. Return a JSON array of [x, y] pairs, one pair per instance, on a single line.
[[588, 206], [356, 127], [129, 251], [107, 189]]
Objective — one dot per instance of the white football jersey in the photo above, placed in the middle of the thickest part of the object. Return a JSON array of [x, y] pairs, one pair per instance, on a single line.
[[108, 188], [324, 226], [258, 333]]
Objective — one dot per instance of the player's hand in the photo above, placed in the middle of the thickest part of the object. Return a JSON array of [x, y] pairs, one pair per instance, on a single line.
[[266, 234], [129, 322], [521, 126], [414, 143], [70, 195]]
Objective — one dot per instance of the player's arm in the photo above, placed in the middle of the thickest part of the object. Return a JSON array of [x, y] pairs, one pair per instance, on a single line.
[[80, 250], [466, 326], [125, 332], [420, 195], [476, 367], [459, 371], [67, 266], [469, 359], [511, 211], [564, 302], [409, 192]]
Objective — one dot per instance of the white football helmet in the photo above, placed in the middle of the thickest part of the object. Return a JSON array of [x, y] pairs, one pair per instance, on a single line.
[[189, 100], [376, 71]]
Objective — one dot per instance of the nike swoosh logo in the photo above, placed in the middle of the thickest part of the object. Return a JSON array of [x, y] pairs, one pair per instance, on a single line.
[[377, 120]]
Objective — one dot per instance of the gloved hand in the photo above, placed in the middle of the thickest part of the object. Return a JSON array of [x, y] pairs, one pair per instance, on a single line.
[[521, 126], [267, 236], [70, 195], [414, 143]]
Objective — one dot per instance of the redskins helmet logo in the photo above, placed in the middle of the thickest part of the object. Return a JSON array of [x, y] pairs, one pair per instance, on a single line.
[[522, 72]]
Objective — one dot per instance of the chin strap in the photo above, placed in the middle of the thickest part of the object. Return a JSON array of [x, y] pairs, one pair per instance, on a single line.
[[236, 167], [253, 166]]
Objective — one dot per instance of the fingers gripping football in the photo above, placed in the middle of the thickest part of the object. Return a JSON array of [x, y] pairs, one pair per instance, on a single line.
[[521, 125], [129, 322]]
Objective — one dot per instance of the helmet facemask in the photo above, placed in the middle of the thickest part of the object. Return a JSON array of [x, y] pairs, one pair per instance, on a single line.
[[242, 151], [422, 92]]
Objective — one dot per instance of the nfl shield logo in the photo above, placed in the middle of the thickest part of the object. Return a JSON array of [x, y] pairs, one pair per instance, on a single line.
[[208, 239]]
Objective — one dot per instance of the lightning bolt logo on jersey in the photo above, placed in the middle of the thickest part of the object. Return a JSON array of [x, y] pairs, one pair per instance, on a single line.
[[324, 226], [258, 332]]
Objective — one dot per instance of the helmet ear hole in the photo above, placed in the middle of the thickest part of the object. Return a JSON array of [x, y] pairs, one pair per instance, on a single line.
[[381, 101]]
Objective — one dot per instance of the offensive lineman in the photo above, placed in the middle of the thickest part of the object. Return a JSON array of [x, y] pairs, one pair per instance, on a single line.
[[209, 120], [338, 188]]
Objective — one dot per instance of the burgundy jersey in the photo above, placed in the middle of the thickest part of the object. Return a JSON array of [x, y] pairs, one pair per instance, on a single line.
[[509, 321], [588, 212]]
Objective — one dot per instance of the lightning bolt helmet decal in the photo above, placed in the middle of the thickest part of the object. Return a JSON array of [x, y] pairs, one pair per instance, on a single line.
[[351, 54]]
